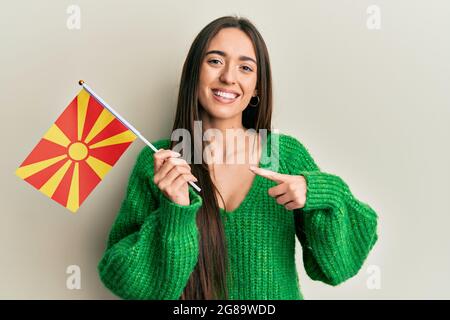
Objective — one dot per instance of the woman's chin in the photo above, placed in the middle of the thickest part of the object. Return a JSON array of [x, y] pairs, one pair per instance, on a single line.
[[220, 113], [223, 111]]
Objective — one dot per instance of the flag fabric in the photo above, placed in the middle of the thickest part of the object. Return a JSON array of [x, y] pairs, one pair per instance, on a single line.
[[76, 153]]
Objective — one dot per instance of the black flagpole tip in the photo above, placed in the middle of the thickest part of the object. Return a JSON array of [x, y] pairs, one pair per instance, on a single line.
[[81, 82]]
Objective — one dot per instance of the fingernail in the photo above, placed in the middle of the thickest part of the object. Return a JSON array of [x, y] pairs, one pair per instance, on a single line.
[[176, 154], [252, 167]]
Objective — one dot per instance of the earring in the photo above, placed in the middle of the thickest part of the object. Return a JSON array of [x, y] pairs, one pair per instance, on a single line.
[[254, 105]]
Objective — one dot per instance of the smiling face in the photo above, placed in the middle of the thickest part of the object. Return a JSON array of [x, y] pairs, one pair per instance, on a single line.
[[228, 75]]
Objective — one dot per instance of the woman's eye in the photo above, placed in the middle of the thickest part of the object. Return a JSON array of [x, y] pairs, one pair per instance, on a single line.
[[213, 61], [247, 68]]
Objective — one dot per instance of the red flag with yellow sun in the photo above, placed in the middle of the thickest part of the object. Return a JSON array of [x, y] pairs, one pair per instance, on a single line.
[[76, 152]]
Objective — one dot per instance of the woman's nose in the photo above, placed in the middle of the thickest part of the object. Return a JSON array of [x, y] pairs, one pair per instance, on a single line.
[[228, 75]]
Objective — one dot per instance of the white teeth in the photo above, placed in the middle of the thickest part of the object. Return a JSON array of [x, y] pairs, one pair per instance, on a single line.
[[225, 95]]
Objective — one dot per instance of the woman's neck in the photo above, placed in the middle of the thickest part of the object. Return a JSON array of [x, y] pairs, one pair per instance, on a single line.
[[227, 139], [232, 125]]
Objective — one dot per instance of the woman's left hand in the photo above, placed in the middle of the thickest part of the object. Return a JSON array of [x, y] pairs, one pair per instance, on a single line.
[[290, 191]]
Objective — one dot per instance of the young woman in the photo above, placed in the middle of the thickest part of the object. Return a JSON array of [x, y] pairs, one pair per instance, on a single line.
[[235, 239]]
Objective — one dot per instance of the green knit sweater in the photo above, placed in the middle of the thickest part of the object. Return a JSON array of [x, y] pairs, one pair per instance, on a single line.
[[154, 243]]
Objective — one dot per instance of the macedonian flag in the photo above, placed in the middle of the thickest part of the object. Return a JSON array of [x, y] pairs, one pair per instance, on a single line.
[[76, 152]]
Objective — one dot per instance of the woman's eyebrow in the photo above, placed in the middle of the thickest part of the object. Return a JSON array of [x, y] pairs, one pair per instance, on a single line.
[[223, 54]]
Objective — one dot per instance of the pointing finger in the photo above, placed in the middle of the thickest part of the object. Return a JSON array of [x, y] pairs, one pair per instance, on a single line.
[[271, 175]]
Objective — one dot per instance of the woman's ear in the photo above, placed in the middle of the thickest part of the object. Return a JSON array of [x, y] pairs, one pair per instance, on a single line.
[[256, 93]]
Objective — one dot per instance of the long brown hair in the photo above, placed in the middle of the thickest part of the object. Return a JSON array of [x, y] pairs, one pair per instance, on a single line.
[[209, 277]]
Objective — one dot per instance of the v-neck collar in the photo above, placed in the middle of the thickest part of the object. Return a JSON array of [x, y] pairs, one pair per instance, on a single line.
[[256, 181]]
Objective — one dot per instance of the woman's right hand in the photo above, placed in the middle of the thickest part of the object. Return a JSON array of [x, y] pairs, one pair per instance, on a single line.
[[172, 175]]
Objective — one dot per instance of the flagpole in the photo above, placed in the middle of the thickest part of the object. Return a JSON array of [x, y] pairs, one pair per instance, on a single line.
[[125, 123]]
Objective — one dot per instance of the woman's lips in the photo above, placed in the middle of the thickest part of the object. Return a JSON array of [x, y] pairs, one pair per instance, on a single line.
[[223, 99]]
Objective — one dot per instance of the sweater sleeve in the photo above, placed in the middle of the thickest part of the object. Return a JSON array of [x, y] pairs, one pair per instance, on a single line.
[[336, 230], [153, 244]]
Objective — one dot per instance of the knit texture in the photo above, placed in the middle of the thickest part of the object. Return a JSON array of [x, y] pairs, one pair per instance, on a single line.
[[154, 243]]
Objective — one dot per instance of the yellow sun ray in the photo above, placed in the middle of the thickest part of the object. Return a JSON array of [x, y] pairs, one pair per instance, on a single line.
[[73, 202], [123, 137], [82, 103], [102, 121], [50, 186], [28, 170], [54, 134], [100, 168]]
